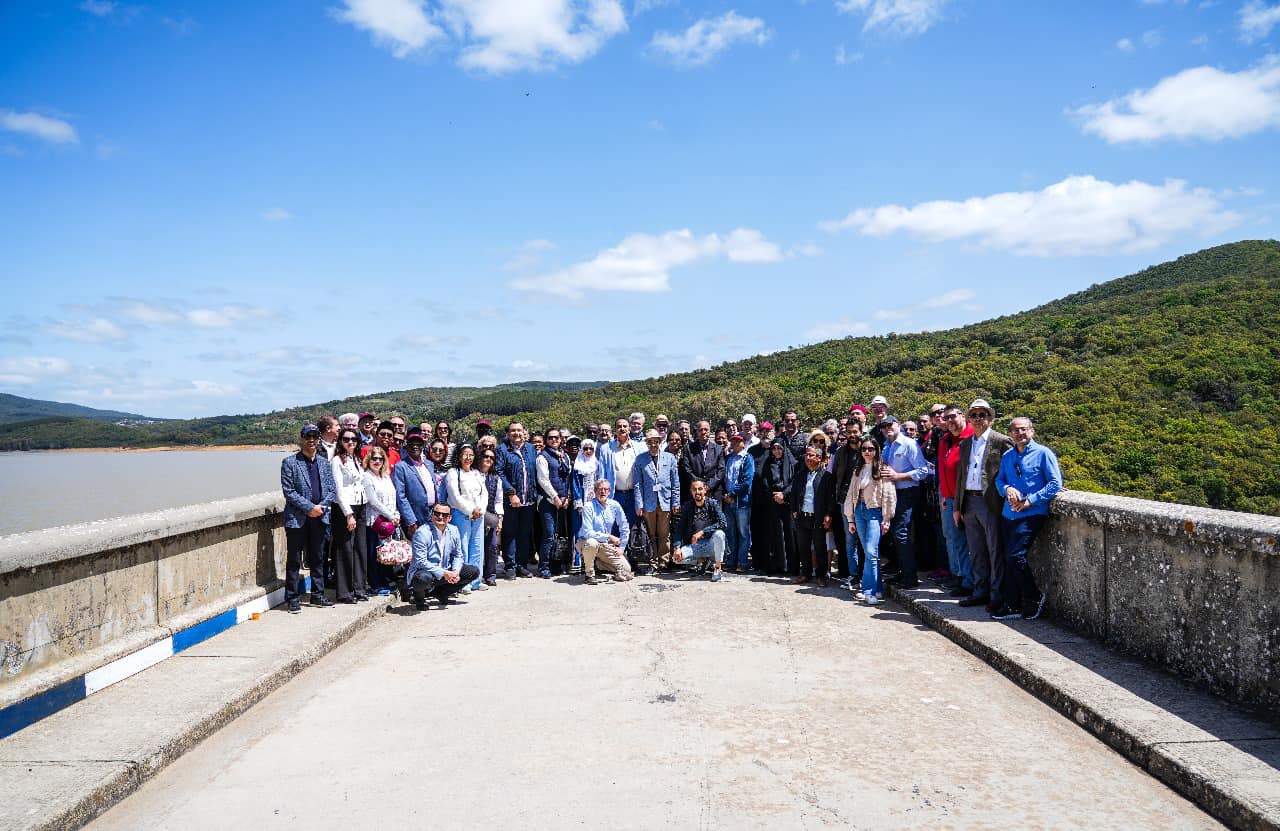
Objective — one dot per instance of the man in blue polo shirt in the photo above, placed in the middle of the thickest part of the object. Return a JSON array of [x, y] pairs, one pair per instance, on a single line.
[[1029, 479]]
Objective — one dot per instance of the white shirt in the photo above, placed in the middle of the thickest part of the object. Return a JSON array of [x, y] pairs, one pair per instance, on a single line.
[[624, 459], [349, 479], [977, 450], [380, 492], [467, 490]]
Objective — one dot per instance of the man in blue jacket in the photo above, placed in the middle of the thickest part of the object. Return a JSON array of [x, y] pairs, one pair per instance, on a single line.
[[437, 568], [1030, 477], [307, 482], [416, 481], [739, 472], [518, 469], [657, 488]]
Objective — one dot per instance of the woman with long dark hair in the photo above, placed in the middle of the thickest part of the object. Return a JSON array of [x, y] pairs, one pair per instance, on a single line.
[[488, 460], [467, 499], [871, 502], [444, 433], [350, 537]]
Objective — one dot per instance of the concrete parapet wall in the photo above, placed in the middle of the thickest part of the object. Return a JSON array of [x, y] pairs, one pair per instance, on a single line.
[[1192, 589], [76, 597]]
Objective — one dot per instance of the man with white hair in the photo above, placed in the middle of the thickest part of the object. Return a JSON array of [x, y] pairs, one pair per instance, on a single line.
[[749, 430], [349, 420], [637, 427], [603, 536]]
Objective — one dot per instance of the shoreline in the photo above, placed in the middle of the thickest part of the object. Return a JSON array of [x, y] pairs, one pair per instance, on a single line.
[[200, 448]]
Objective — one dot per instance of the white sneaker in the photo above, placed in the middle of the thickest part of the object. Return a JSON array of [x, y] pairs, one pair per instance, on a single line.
[[859, 596], [465, 590], [873, 599]]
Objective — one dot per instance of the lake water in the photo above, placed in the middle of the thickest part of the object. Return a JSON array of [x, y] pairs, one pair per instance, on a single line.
[[41, 490]]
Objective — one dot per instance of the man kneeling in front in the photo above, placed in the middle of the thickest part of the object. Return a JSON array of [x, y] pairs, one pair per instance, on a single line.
[[702, 527], [437, 568], [597, 542]]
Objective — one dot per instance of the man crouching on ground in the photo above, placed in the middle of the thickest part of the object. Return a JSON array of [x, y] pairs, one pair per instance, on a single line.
[[702, 526], [437, 568], [597, 541]]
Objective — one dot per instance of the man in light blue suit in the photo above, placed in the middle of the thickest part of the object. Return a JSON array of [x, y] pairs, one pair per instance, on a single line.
[[307, 482], [657, 489]]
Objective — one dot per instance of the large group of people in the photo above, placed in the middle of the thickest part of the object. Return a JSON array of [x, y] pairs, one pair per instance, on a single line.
[[373, 506]]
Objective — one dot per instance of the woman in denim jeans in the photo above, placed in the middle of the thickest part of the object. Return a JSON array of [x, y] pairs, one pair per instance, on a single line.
[[875, 500]]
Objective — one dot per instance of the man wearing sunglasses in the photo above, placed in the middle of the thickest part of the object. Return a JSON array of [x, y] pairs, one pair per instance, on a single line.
[[978, 504], [956, 430], [437, 569], [307, 483]]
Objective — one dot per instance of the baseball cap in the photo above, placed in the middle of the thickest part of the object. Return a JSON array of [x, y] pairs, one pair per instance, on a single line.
[[749, 417], [736, 437], [880, 399], [857, 408], [309, 431], [766, 426]]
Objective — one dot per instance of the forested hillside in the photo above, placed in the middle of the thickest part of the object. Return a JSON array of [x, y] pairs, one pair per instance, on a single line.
[[1162, 385]]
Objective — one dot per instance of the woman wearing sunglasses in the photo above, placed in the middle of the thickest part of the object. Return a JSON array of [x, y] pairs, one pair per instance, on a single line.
[[871, 502], [380, 494], [487, 459], [350, 536]]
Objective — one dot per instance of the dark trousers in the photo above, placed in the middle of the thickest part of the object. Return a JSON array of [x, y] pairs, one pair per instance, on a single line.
[[982, 530], [425, 584], [811, 546], [517, 535], [491, 554], [760, 528], [838, 546], [780, 554], [306, 543], [553, 521], [349, 554], [1019, 585], [900, 533]]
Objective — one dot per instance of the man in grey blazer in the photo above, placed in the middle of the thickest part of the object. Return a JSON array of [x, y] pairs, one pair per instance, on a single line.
[[978, 503], [306, 480]]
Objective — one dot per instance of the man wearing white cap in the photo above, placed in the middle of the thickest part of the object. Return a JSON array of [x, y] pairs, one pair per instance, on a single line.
[[749, 430], [979, 501], [879, 408]]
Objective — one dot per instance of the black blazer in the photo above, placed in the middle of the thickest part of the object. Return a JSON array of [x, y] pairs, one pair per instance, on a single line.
[[710, 472], [822, 487]]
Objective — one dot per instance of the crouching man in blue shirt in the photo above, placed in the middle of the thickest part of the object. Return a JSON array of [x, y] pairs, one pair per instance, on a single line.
[[437, 568], [1029, 479], [599, 545]]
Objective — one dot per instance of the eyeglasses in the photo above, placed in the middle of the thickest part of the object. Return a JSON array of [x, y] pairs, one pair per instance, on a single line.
[[488, 456], [386, 435], [311, 438], [868, 449], [439, 515], [376, 460], [980, 415], [348, 440]]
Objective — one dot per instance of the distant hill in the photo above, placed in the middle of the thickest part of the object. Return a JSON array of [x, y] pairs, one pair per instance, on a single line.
[[16, 408], [1164, 384]]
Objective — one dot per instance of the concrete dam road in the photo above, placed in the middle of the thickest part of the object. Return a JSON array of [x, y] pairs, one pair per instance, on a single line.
[[660, 703]]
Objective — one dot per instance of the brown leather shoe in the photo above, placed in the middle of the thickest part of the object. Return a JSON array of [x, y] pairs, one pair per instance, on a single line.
[[800, 580]]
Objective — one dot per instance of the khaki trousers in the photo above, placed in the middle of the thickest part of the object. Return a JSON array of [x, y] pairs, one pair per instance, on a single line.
[[659, 525], [607, 555]]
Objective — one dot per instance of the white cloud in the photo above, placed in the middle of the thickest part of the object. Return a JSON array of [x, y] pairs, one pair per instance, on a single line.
[[902, 17], [950, 298], [225, 316], [844, 58], [530, 255], [805, 249], [181, 26], [401, 26], [643, 262], [410, 341], [528, 366], [100, 8], [52, 130], [277, 215], [1125, 45], [1080, 215], [1152, 38], [507, 35], [23, 371], [1198, 103], [1257, 19], [891, 314], [707, 38], [150, 313], [842, 328], [97, 330]]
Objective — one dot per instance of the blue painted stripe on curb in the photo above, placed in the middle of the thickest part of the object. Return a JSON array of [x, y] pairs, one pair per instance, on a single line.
[[203, 631], [30, 710]]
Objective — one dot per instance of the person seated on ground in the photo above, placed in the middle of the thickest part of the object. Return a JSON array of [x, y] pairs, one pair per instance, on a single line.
[[702, 530], [437, 568], [597, 541]]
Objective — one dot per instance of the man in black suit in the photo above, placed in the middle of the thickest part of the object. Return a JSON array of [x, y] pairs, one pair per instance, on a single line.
[[978, 504], [811, 509], [703, 460]]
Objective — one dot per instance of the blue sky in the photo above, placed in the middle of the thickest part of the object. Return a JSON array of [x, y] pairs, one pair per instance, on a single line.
[[233, 207]]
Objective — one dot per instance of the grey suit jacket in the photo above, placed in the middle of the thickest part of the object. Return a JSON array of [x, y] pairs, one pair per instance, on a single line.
[[997, 444]]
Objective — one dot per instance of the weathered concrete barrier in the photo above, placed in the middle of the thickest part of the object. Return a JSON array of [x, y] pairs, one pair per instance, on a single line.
[[79, 597], [1192, 589]]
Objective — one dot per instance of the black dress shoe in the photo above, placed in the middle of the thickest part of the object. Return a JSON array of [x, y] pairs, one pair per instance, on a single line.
[[322, 602], [973, 600], [421, 605], [960, 591]]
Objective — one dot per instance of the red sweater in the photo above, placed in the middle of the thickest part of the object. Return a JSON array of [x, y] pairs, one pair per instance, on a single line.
[[949, 460]]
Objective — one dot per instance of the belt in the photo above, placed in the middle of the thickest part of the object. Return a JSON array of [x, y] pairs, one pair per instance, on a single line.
[[624, 490], [802, 513], [975, 493]]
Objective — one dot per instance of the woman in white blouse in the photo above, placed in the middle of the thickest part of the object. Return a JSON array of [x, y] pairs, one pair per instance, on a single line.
[[350, 538], [468, 497], [380, 495]]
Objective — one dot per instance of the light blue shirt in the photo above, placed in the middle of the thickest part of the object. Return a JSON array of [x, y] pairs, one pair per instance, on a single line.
[[807, 507], [599, 521], [1035, 473], [434, 552], [904, 456]]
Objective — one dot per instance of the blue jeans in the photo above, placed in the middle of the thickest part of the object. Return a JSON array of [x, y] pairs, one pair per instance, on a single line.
[[957, 544], [627, 499], [472, 533], [738, 518], [867, 521], [850, 544], [900, 530], [709, 547]]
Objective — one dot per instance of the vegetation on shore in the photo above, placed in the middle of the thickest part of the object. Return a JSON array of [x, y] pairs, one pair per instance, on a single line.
[[1164, 385]]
